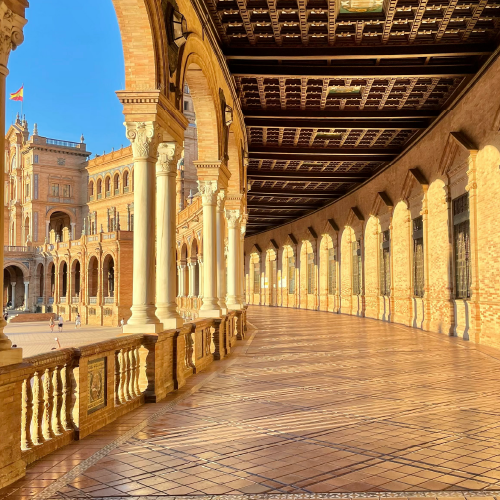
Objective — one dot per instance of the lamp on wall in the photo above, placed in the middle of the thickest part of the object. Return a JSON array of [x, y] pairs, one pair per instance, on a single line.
[[228, 115], [179, 28]]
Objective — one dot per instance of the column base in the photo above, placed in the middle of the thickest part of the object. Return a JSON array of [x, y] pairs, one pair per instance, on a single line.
[[234, 307], [145, 328], [211, 313], [171, 323], [11, 356]]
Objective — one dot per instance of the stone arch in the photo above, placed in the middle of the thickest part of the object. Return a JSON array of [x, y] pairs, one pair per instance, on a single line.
[[194, 249], [255, 274], [271, 278], [108, 276], [126, 180], [60, 219], [327, 273], [92, 278], [116, 183], [63, 279], [203, 87], [401, 264], [51, 277], [288, 276], [15, 274], [99, 187], [40, 280], [91, 190], [76, 278], [348, 236], [184, 277], [308, 275], [371, 263], [107, 185]]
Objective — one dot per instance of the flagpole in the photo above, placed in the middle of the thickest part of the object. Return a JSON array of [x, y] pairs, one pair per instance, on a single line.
[[22, 103]]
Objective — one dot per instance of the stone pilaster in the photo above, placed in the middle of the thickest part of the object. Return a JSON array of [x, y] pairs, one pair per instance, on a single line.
[[233, 224], [221, 265], [144, 139]]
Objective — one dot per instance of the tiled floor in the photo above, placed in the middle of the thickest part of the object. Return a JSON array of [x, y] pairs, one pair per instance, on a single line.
[[315, 403]]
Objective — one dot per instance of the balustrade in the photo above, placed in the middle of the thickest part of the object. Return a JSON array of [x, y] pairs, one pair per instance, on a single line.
[[75, 300]]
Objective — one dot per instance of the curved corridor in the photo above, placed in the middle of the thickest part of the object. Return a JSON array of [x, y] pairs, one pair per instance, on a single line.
[[312, 402]]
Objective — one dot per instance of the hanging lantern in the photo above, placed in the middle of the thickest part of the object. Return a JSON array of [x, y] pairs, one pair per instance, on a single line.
[[179, 28]]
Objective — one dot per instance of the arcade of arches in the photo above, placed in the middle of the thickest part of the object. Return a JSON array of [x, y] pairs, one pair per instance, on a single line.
[[346, 161]]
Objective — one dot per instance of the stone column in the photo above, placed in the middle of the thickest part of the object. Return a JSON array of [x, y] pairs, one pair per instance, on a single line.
[[26, 296], [11, 26], [191, 269], [73, 231], [210, 307], [143, 138], [233, 226], [166, 167], [221, 265], [200, 278], [241, 263], [13, 305], [182, 275], [179, 281]]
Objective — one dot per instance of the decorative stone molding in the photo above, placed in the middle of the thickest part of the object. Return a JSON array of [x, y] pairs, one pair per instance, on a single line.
[[143, 138], [169, 154], [232, 217], [208, 190], [221, 195], [11, 30]]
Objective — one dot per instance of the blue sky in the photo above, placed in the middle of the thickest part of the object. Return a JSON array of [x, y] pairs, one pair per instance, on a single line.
[[71, 64]]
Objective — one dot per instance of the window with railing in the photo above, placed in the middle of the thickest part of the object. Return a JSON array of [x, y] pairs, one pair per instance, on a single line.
[[385, 263], [291, 275], [332, 272], [461, 243], [310, 273], [357, 275], [256, 277], [418, 257], [54, 190]]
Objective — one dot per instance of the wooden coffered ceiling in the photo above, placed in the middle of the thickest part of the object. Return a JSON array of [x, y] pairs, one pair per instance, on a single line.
[[334, 90]]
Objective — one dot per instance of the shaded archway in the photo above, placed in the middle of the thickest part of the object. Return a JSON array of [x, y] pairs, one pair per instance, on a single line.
[[58, 221], [308, 276], [75, 279], [371, 262], [108, 269], [63, 279], [92, 279], [13, 287], [271, 278], [327, 274]]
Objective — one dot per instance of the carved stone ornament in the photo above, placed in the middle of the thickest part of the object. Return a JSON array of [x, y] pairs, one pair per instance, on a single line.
[[232, 217], [169, 154], [208, 190], [11, 30], [143, 139], [221, 195]]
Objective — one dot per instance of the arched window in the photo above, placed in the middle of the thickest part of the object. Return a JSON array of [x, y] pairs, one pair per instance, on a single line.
[[332, 272], [99, 188], [357, 276], [125, 182], [91, 190], [108, 186], [385, 263], [418, 257], [310, 273], [116, 183]]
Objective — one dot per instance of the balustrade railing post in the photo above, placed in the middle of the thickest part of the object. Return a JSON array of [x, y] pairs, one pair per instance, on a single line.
[[137, 371], [38, 409], [65, 416], [118, 379], [126, 382], [121, 388], [27, 414], [47, 405], [56, 402], [219, 340]]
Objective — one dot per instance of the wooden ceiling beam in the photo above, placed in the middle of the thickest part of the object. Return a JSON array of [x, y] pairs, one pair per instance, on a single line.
[[359, 52], [306, 176], [324, 151], [347, 71], [336, 124], [328, 114], [296, 193], [313, 155], [280, 206]]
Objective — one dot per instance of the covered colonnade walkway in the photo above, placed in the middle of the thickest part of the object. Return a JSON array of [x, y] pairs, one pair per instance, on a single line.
[[308, 403]]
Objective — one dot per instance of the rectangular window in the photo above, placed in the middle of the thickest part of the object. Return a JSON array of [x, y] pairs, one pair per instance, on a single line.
[[291, 275], [66, 190], [418, 257], [54, 190], [256, 277], [131, 222], [310, 273], [385, 263], [332, 272], [461, 241], [35, 158], [36, 187], [357, 286]]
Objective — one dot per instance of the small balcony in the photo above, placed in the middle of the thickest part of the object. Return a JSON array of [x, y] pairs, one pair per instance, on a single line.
[[92, 300]]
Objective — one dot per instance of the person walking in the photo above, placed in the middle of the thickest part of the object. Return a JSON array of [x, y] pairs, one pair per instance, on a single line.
[[78, 321], [122, 322], [60, 323], [52, 324]]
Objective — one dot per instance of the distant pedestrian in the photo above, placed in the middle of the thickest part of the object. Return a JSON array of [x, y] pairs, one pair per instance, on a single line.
[[122, 323], [78, 321], [60, 323], [52, 324]]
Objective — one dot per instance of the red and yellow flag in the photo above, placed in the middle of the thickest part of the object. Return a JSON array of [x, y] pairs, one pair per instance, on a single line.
[[17, 96]]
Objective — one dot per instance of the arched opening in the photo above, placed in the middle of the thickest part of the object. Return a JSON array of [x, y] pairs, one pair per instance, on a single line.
[[108, 277], [63, 279], [327, 274], [116, 183], [254, 273], [184, 277], [92, 279], [59, 226], [271, 277], [107, 185], [195, 270], [91, 191], [41, 283], [26, 231], [76, 279], [308, 276], [126, 181], [99, 189], [13, 287], [372, 262], [289, 273]]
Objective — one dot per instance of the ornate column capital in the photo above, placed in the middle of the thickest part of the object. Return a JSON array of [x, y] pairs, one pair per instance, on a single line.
[[169, 154], [144, 139], [221, 196], [232, 217], [11, 30], [208, 190]]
